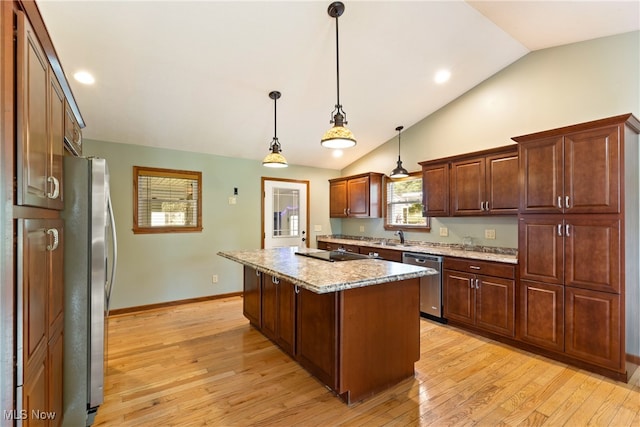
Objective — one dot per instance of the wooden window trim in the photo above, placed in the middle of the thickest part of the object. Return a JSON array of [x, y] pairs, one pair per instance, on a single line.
[[168, 173], [419, 228]]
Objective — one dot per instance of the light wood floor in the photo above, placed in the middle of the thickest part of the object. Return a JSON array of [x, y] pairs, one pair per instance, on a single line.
[[201, 364]]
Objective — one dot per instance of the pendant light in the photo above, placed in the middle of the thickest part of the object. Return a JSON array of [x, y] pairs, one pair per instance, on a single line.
[[338, 136], [274, 159], [399, 171]]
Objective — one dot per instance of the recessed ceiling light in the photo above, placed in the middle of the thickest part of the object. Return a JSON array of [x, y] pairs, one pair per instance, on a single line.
[[442, 76], [337, 153], [84, 77]]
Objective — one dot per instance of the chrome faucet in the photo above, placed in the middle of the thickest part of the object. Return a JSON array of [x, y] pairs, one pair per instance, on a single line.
[[400, 234]]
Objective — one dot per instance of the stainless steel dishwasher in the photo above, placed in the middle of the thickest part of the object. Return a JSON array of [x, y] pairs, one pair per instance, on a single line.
[[430, 286]]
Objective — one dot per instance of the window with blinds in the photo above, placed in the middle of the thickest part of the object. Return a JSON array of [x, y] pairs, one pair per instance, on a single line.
[[404, 204], [166, 200]]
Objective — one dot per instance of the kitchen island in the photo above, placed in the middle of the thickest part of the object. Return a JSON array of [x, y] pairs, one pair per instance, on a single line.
[[354, 325]]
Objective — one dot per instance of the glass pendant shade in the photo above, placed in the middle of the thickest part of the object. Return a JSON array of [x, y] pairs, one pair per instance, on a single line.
[[399, 171], [338, 136], [274, 159]]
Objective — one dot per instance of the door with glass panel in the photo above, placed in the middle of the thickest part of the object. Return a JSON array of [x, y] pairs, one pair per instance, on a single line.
[[284, 213]]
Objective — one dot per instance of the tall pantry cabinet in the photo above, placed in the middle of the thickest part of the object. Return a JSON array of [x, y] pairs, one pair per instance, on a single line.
[[36, 100], [578, 243]]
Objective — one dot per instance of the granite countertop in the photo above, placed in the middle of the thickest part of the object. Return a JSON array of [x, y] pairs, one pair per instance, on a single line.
[[506, 255], [322, 276]]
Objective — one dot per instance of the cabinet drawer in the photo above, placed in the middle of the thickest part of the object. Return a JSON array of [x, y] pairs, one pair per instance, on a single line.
[[480, 267], [338, 246], [388, 254]]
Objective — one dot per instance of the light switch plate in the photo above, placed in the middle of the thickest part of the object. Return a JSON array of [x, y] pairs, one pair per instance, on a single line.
[[362, 228], [444, 231], [232, 200], [317, 228]]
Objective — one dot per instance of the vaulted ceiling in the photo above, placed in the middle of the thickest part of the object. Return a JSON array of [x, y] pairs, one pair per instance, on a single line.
[[195, 75]]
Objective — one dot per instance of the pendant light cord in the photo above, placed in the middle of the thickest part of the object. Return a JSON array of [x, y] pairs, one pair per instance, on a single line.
[[337, 68], [275, 116]]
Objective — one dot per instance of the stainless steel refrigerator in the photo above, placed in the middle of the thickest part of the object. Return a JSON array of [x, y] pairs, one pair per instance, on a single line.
[[90, 258]]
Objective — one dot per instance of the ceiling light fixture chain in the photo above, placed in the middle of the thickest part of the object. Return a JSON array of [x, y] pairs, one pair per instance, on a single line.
[[338, 136], [274, 159]]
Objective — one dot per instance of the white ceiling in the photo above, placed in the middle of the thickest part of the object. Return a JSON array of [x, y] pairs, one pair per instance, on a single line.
[[195, 75]]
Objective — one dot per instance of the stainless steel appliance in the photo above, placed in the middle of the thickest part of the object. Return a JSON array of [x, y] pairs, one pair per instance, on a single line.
[[90, 257], [430, 286]]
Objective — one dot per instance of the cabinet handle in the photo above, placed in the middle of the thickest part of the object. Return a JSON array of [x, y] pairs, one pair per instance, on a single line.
[[559, 230], [481, 206], [566, 201], [275, 280], [477, 283], [297, 289], [257, 273], [348, 211], [56, 187], [344, 211], [486, 206], [559, 202], [474, 267], [566, 230], [53, 232]]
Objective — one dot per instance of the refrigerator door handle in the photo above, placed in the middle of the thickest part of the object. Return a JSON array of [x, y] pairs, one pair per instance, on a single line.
[[114, 247]]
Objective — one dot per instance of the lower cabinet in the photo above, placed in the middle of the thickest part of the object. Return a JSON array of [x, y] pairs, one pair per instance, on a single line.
[[279, 312], [388, 254], [541, 320], [480, 300], [252, 296]]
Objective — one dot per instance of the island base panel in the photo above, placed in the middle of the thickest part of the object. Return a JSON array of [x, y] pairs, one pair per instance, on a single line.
[[379, 339]]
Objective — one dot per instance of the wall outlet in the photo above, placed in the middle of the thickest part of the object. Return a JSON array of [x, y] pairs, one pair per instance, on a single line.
[[362, 228], [317, 228], [444, 231], [490, 234], [232, 200], [214, 278]]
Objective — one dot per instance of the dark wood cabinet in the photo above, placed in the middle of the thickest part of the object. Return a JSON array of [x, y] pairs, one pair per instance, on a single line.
[[574, 208], [593, 327], [279, 311], [578, 172], [317, 346], [72, 132], [480, 300], [358, 196], [40, 124], [435, 189], [473, 184], [541, 318], [328, 246], [40, 329], [485, 185], [388, 254], [252, 296]]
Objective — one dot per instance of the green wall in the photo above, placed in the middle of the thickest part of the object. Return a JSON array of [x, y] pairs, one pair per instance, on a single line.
[[545, 89], [155, 268]]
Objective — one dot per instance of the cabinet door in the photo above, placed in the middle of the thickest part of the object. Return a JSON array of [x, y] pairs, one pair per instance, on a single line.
[[468, 187], [338, 199], [593, 330], [541, 318], [286, 336], [435, 187], [34, 392], [269, 307], [502, 189], [592, 253], [317, 335], [56, 144], [592, 171], [32, 133], [459, 296], [495, 305], [541, 252], [541, 169], [251, 298], [358, 197]]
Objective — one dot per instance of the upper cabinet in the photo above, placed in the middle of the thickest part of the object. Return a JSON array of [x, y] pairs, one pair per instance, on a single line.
[[357, 196], [574, 172], [475, 184], [485, 185], [72, 132], [40, 124]]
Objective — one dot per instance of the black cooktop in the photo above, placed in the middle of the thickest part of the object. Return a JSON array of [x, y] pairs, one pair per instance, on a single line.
[[333, 256]]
